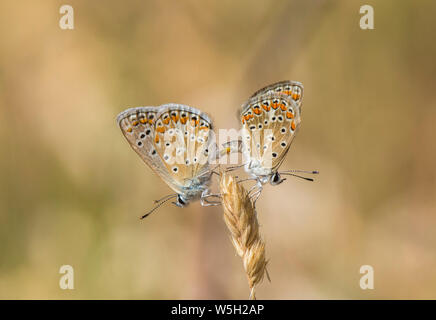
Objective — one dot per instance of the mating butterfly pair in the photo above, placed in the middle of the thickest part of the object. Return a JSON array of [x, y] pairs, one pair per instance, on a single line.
[[175, 141]]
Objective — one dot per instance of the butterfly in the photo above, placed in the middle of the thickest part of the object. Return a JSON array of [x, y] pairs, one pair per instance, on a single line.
[[270, 120], [174, 140]]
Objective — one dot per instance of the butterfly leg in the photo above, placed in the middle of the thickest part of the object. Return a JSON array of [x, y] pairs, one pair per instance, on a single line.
[[205, 202], [232, 168], [255, 191]]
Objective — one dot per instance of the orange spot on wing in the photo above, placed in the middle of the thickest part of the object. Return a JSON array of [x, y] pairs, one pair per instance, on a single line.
[[135, 123], [266, 108], [257, 111], [295, 96], [183, 119], [156, 139], [161, 129], [228, 149], [175, 118], [166, 121], [293, 125], [275, 105], [150, 121], [289, 115], [143, 120], [203, 128], [129, 130], [283, 107], [288, 92]]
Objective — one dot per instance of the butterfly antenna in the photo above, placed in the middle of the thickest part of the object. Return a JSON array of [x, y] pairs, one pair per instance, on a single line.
[[296, 175], [161, 203], [301, 171], [163, 198]]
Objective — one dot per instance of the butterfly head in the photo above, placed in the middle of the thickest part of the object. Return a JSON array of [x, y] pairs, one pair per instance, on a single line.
[[276, 179], [181, 201]]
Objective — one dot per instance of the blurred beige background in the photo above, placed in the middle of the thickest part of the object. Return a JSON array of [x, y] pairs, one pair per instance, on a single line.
[[72, 189]]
